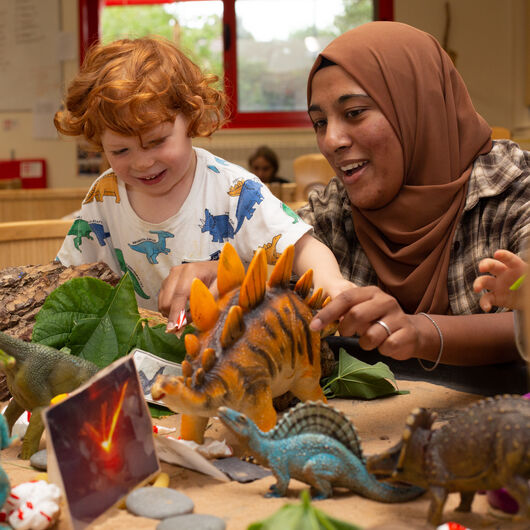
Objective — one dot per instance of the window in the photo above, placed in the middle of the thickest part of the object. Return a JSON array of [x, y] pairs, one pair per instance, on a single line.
[[262, 50]]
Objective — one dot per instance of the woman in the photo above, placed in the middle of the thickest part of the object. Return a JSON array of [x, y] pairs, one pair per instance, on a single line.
[[421, 195], [263, 162]]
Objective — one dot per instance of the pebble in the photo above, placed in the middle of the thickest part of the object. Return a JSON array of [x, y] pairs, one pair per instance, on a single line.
[[39, 460], [158, 503], [193, 521]]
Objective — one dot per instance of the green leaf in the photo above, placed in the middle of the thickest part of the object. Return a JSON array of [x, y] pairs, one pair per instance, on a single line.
[[303, 516], [158, 411], [72, 301], [101, 323], [354, 378], [166, 345]]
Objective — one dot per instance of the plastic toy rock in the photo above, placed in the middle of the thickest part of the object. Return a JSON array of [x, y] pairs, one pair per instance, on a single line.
[[317, 444], [5, 441], [35, 373], [255, 344], [486, 446]]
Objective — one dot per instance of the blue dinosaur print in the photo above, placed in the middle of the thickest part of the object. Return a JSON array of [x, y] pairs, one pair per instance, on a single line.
[[219, 227], [213, 168], [125, 268], [249, 195], [151, 248], [99, 232], [221, 161]]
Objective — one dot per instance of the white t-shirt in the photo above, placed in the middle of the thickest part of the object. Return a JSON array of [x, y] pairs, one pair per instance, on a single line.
[[225, 203]]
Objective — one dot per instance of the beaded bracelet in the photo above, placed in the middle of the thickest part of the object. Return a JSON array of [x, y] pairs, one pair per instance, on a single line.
[[441, 345]]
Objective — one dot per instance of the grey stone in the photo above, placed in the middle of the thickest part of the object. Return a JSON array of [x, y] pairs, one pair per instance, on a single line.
[[193, 521], [39, 460], [158, 503], [240, 470]]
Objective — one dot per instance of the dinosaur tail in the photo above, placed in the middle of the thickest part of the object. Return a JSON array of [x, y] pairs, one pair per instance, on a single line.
[[17, 348], [371, 488]]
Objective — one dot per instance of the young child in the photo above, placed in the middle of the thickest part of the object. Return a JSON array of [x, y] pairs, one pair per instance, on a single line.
[[503, 276], [164, 203]]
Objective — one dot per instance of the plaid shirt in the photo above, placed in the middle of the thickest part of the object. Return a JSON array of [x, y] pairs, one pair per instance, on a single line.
[[496, 216]]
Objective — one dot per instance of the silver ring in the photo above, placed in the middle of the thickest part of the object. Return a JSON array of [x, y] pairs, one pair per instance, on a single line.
[[385, 326]]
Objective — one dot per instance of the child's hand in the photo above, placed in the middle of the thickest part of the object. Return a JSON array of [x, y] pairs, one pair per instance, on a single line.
[[504, 269], [175, 290]]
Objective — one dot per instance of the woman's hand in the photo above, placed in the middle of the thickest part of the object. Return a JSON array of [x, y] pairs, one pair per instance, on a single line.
[[175, 290], [360, 308]]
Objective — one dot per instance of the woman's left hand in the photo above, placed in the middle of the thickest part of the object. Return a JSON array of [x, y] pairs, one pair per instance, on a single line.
[[376, 318]]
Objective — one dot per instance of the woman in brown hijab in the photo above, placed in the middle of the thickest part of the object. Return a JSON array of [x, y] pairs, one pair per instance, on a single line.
[[421, 195]]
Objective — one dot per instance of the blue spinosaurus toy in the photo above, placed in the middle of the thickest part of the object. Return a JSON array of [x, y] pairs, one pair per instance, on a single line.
[[316, 444], [5, 441]]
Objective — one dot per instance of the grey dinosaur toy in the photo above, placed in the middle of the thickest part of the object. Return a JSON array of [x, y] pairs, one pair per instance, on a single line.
[[317, 444], [36, 373], [485, 447]]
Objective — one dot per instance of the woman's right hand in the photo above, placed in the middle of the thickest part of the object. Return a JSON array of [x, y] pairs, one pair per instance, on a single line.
[[175, 290], [359, 309]]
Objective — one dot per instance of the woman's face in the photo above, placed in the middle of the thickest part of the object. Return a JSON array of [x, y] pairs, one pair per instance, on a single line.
[[356, 138], [261, 167]]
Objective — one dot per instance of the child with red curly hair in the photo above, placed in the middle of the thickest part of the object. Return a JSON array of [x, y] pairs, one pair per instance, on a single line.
[[164, 203]]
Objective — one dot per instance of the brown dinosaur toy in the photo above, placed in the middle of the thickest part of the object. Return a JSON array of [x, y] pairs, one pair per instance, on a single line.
[[255, 344], [485, 447]]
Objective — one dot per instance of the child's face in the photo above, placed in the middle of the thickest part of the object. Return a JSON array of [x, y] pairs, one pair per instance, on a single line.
[[162, 160]]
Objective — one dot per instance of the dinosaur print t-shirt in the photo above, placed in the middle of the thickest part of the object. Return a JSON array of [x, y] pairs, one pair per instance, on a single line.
[[225, 203]]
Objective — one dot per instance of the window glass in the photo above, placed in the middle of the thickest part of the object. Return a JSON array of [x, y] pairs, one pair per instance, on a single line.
[[196, 27], [277, 43]]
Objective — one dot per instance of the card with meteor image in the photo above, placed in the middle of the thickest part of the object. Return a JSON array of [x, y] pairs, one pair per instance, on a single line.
[[100, 442]]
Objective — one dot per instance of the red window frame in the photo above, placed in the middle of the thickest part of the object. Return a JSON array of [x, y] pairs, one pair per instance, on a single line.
[[89, 17]]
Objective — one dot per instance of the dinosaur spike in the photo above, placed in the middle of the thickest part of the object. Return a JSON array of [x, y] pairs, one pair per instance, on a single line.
[[203, 307], [199, 377], [208, 359], [253, 287], [304, 283], [234, 326], [315, 302], [191, 343], [281, 274], [326, 301], [230, 271], [187, 370], [188, 382]]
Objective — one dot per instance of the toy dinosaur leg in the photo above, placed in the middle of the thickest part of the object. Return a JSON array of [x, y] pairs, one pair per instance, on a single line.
[[315, 474], [31, 441], [263, 414], [466, 500], [12, 413], [5, 487], [5, 439], [193, 427], [438, 498], [282, 477], [308, 389]]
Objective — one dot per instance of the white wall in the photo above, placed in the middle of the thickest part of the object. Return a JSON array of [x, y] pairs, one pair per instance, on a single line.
[[488, 36]]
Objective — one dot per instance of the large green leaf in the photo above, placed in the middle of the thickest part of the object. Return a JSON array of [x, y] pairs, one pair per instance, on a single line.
[[100, 323], [354, 378], [71, 302]]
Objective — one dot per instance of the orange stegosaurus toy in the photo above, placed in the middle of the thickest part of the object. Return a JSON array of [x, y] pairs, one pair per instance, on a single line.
[[254, 344]]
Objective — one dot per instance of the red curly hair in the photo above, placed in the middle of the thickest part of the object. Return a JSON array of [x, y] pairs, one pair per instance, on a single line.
[[128, 86]]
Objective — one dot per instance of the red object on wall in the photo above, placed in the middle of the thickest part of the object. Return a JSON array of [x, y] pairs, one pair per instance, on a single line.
[[30, 171]]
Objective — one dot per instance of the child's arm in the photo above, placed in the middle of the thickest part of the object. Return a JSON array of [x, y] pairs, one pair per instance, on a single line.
[[503, 270], [310, 253]]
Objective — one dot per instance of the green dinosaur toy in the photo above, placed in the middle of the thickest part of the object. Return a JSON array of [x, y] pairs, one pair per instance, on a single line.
[[35, 373]]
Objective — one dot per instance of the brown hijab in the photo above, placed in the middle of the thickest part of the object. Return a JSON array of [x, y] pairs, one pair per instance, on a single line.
[[420, 92]]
